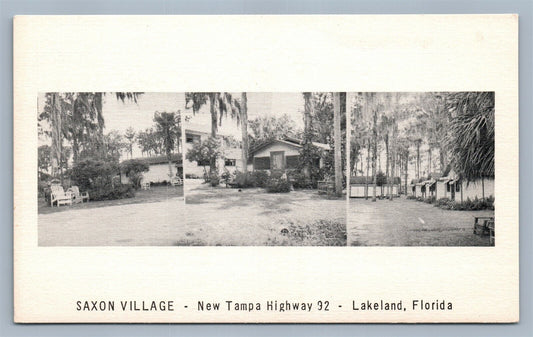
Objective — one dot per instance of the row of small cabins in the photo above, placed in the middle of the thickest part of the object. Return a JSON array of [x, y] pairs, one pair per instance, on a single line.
[[452, 187], [448, 186]]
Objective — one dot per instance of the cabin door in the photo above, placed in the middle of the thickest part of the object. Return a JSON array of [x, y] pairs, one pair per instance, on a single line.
[[277, 161]]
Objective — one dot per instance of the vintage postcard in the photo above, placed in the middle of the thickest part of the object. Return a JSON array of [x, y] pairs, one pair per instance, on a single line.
[[266, 168]]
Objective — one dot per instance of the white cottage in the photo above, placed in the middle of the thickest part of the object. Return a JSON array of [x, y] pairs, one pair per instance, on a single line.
[[454, 188], [158, 168]]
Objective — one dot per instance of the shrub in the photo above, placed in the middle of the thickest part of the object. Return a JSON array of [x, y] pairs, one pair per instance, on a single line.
[[261, 178], [93, 174], [133, 169], [243, 180], [192, 176], [411, 197], [225, 177], [468, 205], [430, 200], [299, 180], [278, 185], [110, 192]]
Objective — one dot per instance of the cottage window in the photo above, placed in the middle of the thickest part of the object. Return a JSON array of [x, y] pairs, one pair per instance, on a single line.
[[189, 139], [230, 162], [262, 163], [457, 187], [292, 162], [448, 187]]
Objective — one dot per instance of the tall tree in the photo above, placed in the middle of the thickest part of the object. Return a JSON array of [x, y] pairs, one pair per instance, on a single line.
[[337, 138], [244, 131], [57, 140], [168, 125], [130, 135], [307, 131]]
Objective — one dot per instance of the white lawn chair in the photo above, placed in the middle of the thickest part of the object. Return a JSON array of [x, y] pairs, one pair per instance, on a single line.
[[78, 196], [176, 181], [59, 196], [145, 185]]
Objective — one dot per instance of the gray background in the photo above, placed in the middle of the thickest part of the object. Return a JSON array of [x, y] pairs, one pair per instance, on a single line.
[[10, 8]]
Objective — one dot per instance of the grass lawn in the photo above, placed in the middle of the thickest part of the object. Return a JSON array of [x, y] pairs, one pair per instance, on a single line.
[[152, 218], [403, 222], [252, 217], [154, 194]]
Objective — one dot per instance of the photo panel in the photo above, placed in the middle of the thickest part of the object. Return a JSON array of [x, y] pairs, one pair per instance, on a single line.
[[110, 168], [422, 169], [264, 169]]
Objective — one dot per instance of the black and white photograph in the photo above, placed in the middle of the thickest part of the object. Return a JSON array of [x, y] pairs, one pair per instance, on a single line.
[[264, 169], [110, 168], [422, 169]]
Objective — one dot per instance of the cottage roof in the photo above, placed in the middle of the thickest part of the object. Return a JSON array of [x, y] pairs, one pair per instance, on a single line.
[[298, 143], [162, 159]]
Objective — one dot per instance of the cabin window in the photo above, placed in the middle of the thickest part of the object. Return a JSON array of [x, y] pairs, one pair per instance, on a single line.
[[230, 162], [292, 162], [457, 187], [262, 163], [448, 187]]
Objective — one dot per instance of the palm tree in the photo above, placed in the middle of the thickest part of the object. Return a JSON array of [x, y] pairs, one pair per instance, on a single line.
[[167, 125], [471, 137], [130, 134]]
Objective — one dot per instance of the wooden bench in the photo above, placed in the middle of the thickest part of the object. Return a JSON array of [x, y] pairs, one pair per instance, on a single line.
[[481, 224]]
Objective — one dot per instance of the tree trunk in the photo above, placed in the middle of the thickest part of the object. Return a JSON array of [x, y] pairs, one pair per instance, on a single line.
[[214, 119], [338, 145], [55, 151], [442, 157], [307, 128], [244, 131], [367, 168], [387, 163], [98, 103], [374, 155], [406, 169], [429, 161], [417, 160]]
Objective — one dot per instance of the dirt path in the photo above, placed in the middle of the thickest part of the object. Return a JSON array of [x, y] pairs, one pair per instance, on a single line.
[[410, 223]]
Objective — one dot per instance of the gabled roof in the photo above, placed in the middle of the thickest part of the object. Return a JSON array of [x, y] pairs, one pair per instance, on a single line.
[[294, 142], [161, 159]]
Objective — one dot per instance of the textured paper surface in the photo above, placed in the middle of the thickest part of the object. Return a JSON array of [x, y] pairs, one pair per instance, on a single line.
[[270, 54]]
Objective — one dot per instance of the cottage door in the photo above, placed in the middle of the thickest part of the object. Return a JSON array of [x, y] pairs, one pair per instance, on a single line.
[[277, 161]]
